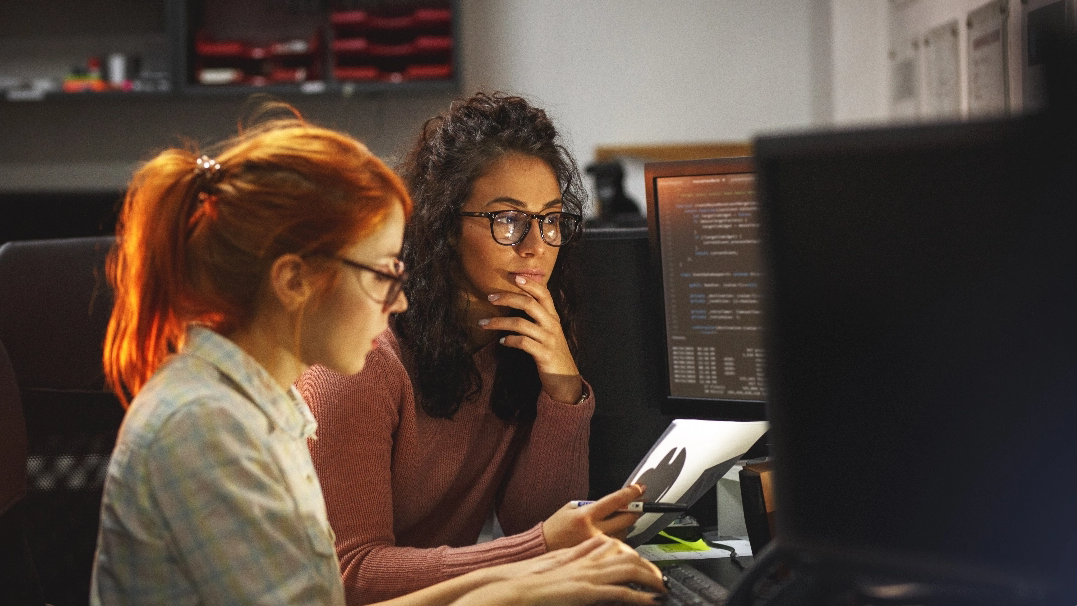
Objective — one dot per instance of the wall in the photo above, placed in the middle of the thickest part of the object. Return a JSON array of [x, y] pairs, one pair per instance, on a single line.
[[609, 71], [858, 60], [643, 71]]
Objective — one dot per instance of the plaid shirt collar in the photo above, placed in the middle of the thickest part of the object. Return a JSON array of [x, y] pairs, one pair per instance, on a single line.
[[286, 409]]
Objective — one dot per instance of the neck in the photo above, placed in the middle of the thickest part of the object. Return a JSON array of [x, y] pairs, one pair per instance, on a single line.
[[261, 341]]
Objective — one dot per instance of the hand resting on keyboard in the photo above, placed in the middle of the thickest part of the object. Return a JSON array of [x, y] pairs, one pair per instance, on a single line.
[[599, 570]]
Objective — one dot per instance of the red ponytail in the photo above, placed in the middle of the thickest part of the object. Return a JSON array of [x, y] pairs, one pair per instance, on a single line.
[[194, 243]]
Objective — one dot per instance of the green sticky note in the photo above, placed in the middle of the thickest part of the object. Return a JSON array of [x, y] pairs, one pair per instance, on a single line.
[[682, 545]]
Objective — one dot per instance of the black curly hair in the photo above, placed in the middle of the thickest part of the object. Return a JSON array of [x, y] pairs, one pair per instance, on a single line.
[[453, 150]]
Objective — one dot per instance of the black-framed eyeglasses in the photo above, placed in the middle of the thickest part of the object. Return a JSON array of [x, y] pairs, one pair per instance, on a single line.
[[382, 286], [510, 227]]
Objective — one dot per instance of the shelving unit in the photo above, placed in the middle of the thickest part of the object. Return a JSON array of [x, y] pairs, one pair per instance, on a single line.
[[119, 47], [160, 48], [413, 45]]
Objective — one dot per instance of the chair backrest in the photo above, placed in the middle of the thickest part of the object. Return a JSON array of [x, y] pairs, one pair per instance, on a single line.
[[18, 578], [54, 307], [12, 436]]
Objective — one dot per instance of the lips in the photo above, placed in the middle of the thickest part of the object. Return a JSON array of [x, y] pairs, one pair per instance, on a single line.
[[531, 274]]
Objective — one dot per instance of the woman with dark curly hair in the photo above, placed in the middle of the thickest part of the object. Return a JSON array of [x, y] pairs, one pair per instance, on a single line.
[[472, 402]]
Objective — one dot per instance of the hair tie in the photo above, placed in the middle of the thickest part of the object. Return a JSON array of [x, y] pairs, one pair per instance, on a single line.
[[205, 205], [206, 166]]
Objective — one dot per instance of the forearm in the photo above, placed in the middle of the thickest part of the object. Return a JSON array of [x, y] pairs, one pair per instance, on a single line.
[[446, 591], [494, 594], [387, 572], [551, 468]]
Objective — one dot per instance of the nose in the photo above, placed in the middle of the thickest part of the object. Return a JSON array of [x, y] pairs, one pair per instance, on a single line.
[[532, 244]]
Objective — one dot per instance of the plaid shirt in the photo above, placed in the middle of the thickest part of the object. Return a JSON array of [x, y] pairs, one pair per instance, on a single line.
[[211, 497]]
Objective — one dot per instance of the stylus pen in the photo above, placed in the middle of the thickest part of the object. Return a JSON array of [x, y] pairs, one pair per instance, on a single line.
[[641, 507]]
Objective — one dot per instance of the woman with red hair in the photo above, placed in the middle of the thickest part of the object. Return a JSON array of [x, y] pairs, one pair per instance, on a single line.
[[233, 272]]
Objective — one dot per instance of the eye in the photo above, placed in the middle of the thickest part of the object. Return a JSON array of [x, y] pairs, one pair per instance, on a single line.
[[379, 278], [508, 218]]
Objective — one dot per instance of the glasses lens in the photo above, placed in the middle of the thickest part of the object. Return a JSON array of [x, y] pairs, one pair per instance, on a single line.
[[559, 228], [551, 229], [375, 285], [395, 288], [509, 226], [382, 286]]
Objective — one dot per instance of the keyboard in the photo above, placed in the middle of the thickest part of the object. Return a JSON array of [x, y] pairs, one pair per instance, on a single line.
[[690, 587]]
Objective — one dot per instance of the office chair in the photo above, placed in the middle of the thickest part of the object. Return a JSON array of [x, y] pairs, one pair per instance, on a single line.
[[18, 578], [54, 307]]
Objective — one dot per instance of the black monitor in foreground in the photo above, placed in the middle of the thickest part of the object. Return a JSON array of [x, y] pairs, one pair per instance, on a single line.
[[922, 341], [703, 225]]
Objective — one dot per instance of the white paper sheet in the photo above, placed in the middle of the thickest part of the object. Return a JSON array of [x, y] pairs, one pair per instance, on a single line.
[[942, 67], [688, 458]]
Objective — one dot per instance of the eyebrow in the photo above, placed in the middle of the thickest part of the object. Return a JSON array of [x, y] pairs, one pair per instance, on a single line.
[[386, 257], [521, 205]]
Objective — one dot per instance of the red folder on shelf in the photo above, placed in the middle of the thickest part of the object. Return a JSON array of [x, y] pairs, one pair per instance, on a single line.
[[348, 18], [427, 17], [385, 22], [356, 73], [428, 72], [432, 44], [351, 45]]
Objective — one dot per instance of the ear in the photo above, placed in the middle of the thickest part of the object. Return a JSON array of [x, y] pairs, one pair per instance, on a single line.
[[290, 282]]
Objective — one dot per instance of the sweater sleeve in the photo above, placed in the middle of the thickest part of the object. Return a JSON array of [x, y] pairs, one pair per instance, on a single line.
[[357, 419], [551, 467]]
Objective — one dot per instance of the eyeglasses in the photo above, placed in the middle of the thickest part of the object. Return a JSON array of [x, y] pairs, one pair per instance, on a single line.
[[510, 227], [381, 286]]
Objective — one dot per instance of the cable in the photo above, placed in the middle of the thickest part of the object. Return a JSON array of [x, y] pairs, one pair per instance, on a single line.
[[732, 552]]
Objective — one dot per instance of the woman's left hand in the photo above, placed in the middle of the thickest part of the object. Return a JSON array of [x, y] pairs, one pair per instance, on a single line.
[[541, 336]]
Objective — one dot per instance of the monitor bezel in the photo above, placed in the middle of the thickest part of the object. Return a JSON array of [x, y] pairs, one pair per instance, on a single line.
[[695, 408]]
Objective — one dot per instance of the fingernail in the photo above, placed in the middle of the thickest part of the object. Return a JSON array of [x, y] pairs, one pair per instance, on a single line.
[[493, 297], [484, 322], [521, 280], [501, 340]]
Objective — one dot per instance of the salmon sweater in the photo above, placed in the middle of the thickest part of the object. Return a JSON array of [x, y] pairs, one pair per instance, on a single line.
[[408, 494]]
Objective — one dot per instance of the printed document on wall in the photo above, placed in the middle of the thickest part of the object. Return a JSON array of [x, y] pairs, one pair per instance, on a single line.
[[905, 79], [942, 66], [988, 67]]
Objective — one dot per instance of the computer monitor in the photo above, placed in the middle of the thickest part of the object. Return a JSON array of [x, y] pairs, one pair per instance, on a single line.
[[703, 225], [922, 341], [618, 350]]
